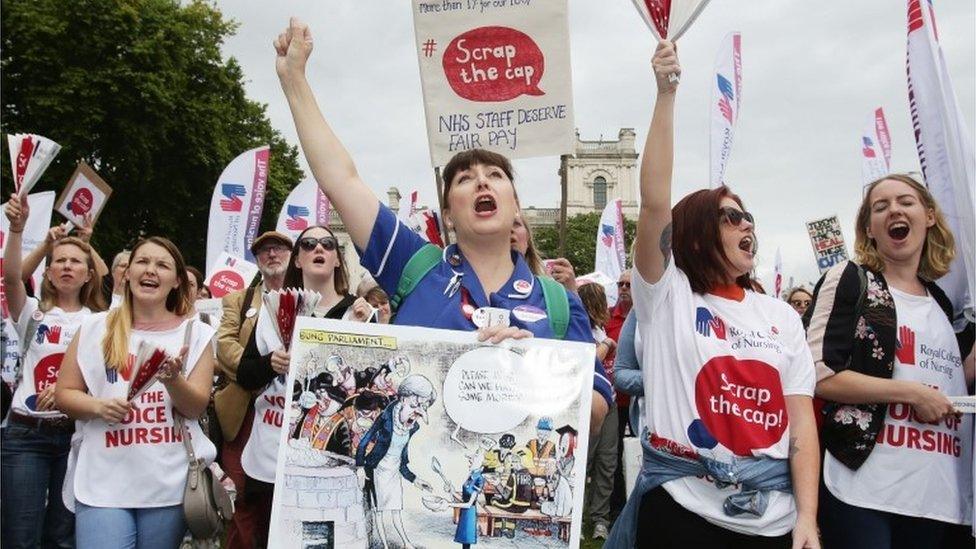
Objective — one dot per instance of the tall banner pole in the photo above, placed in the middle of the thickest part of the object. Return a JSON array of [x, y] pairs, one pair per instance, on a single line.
[[563, 176]]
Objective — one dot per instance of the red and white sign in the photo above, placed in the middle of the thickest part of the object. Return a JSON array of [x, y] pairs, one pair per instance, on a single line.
[[30, 155], [85, 194], [306, 206], [495, 77], [724, 108], [236, 206], [875, 148], [778, 274], [828, 242], [230, 274]]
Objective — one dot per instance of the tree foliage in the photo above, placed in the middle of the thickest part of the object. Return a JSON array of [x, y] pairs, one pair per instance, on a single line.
[[580, 240], [139, 90]]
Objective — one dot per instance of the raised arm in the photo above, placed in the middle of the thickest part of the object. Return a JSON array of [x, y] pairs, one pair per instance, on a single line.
[[653, 250], [331, 164], [34, 258], [13, 282]]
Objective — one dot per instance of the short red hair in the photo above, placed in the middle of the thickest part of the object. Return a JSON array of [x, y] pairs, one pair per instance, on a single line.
[[696, 241]]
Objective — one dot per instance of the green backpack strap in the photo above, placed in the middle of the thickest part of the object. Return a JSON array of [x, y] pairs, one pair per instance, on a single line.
[[557, 305], [417, 267]]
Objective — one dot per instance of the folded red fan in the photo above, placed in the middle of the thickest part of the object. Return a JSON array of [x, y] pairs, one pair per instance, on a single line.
[[144, 374]]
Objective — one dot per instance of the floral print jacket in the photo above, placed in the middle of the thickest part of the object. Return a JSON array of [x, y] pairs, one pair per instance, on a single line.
[[852, 326]]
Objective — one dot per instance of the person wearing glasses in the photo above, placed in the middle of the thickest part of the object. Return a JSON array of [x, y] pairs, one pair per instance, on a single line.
[[480, 205], [731, 458], [898, 467], [316, 264], [799, 298]]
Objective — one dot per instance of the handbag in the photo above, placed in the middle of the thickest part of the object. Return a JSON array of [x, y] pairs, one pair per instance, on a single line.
[[206, 503]]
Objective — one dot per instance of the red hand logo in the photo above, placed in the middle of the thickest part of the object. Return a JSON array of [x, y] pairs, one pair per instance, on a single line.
[[54, 335], [718, 327], [905, 351]]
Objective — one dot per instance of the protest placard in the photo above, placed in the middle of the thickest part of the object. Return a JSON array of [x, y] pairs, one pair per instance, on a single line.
[[85, 193], [379, 417], [230, 274], [496, 75], [828, 242]]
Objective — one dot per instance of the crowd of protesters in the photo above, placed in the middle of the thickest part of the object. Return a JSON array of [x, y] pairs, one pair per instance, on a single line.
[[849, 443]]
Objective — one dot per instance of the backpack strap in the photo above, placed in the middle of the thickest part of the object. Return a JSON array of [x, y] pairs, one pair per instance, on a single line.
[[557, 305], [417, 267]]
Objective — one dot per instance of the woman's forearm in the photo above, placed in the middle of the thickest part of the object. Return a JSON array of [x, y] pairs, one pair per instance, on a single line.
[[804, 455], [850, 387]]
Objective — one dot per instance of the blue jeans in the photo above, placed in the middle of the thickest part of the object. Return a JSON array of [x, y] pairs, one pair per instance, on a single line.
[[147, 528], [32, 465]]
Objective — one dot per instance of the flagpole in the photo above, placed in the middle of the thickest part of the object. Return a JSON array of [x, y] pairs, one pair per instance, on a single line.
[[563, 176], [439, 181]]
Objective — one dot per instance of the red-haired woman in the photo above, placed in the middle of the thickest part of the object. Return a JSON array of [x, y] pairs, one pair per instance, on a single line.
[[898, 468], [730, 453], [37, 438]]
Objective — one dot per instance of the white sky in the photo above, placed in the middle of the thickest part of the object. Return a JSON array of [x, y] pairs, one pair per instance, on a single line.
[[812, 74]]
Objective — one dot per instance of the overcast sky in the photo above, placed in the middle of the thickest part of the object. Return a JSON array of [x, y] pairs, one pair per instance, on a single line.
[[812, 74]]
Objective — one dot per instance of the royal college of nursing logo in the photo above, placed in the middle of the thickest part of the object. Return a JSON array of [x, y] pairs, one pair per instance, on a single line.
[[728, 96], [297, 218], [232, 197], [707, 324], [607, 235]]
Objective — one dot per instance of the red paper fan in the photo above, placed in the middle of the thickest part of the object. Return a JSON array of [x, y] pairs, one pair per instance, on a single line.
[[145, 373]]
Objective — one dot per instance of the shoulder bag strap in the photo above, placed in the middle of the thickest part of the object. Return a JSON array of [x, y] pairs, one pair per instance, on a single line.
[[180, 421]]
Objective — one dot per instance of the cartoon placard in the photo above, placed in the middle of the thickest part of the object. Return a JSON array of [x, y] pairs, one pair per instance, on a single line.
[[413, 437], [496, 75], [85, 193]]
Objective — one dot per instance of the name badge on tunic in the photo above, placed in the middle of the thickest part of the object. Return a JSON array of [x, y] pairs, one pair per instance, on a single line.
[[485, 317]]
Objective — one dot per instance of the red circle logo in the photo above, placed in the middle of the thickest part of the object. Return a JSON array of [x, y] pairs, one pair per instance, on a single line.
[[741, 403], [225, 282]]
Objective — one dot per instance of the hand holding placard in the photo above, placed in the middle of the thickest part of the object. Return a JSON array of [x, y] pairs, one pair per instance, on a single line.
[[83, 197]]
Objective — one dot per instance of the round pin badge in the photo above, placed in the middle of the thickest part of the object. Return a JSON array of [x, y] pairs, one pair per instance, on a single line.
[[251, 312], [528, 313], [38, 316], [454, 260], [522, 286]]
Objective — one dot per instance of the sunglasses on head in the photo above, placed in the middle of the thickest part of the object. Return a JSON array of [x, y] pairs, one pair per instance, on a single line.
[[735, 216], [309, 243]]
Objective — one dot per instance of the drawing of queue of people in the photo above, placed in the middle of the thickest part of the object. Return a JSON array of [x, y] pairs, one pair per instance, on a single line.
[[529, 486]]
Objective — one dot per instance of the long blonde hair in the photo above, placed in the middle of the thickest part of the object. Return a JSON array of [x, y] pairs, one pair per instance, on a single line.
[[118, 323], [90, 293], [938, 250]]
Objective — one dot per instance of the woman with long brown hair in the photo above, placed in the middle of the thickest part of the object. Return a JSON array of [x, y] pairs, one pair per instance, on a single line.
[[131, 469], [898, 467], [37, 438]]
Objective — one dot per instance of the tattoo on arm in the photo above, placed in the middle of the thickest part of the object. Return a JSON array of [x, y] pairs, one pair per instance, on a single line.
[[793, 446], [666, 245]]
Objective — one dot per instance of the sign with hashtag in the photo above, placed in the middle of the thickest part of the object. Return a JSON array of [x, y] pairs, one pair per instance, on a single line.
[[495, 75]]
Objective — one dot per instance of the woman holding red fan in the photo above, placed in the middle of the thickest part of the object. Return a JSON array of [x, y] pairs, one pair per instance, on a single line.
[[131, 469], [316, 266], [37, 438]]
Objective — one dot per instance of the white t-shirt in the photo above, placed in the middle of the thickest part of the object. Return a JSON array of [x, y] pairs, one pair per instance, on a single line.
[[916, 469], [140, 462], [715, 375], [260, 455], [41, 364]]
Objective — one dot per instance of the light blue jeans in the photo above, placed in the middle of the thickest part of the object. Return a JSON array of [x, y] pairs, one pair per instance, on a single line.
[[109, 528]]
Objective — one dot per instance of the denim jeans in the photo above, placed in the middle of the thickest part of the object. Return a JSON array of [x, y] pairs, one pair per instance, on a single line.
[[32, 464], [146, 528]]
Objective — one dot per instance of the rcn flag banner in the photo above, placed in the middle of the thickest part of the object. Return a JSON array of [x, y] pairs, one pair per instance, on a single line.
[[406, 211], [726, 98], [611, 255], [778, 272], [230, 274], [495, 77], [875, 148], [945, 151], [35, 231], [235, 209], [306, 206]]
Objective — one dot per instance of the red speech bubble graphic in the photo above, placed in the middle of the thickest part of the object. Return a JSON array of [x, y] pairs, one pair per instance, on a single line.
[[81, 202], [225, 282], [741, 403], [493, 64]]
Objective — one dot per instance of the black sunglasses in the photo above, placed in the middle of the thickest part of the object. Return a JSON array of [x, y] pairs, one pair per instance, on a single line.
[[309, 243], [623, 284], [735, 216]]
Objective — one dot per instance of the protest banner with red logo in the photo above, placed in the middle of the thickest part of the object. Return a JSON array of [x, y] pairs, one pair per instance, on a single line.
[[724, 108], [30, 155], [611, 252], [306, 206], [945, 150], [230, 274], [778, 275], [875, 148], [236, 206], [495, 76], [85, 194], [828, 242]]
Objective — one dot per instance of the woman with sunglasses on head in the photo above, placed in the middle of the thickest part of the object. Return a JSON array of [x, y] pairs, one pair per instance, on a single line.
[[730, 451], [316, 264], [898, 467], [37, 435], [481, 205], [131, 463]]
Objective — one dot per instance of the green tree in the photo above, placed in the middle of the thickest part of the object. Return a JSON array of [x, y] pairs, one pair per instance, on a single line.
[[140, 91], [580, 240]]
